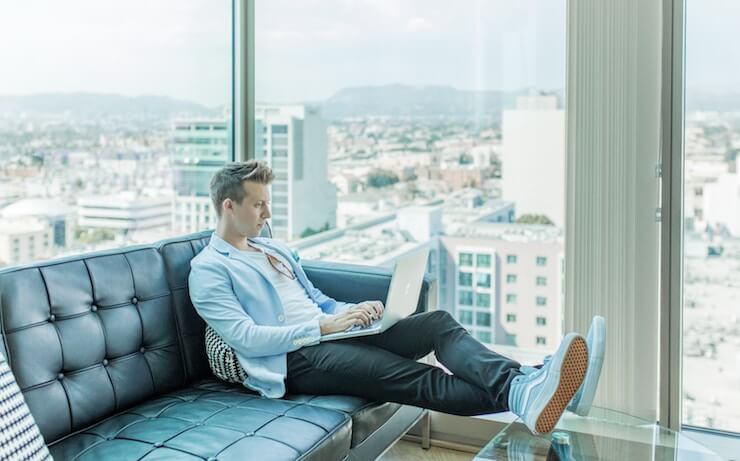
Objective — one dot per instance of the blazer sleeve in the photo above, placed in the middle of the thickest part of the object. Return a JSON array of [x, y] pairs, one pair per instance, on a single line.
[[327, 304], [215, 301]]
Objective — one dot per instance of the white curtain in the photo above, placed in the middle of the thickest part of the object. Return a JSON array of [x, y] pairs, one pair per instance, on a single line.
[[612, 149]]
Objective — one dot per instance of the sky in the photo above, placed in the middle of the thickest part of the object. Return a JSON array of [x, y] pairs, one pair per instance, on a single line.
[[306, 50]]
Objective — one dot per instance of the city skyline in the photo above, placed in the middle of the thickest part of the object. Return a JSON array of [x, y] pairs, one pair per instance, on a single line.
[[493, 45]]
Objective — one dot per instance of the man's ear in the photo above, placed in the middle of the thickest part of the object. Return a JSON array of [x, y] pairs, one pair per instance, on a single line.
[[227, 204]]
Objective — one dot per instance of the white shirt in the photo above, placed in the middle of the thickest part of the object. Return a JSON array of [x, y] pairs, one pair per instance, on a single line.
[[296, 303]]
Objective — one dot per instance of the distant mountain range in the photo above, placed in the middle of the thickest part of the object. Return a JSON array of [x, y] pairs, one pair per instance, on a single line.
[[97, 104], [426, 101], [385, 100]]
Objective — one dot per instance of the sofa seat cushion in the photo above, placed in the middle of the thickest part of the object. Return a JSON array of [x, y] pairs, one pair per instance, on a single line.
[[367, 416], [216, 421]]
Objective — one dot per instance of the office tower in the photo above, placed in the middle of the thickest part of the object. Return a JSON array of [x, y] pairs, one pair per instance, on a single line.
[[293, 141], [200, 148], [533, 161]]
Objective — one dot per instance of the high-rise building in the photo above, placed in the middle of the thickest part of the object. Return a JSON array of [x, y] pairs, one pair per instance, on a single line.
[[293, 141], [200, 148], [533, 158], [505, 282]]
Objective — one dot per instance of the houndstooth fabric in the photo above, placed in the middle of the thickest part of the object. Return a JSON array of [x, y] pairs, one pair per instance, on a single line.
[[20, 438], [222, 359]]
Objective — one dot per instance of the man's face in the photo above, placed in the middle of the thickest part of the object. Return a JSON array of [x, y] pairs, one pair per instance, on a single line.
[[249, 217]]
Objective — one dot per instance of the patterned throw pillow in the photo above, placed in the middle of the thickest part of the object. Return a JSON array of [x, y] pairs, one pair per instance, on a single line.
[[222, 358], [20, 438]]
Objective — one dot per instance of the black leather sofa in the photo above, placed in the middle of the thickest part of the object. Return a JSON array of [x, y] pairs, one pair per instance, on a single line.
[[108, 352]]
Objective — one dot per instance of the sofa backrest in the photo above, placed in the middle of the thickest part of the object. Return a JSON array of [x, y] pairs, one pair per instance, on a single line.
[[91, 335]]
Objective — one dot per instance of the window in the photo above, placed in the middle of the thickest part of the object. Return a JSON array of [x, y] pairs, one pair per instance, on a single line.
[[465, 279], [483, 319], [484, 337], [541, 321], [483, 300], [466, 259], [510, 339], [466, 317], [711, 250], [541, 281], [541, 341], [541, 301], [510, 318], [510, 278], [136, 105], [374, 158], [541, 261], [483, 260], [510, 298], [466, 298]]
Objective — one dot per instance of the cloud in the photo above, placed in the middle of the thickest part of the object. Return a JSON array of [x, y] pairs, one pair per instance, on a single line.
[[419, 24]]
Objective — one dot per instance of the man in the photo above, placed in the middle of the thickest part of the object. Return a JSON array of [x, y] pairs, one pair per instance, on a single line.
[[253, 292]]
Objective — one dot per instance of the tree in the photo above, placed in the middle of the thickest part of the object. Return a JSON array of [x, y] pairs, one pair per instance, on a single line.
[[309, 231], [381, 178], [465, 159], [534, 219]]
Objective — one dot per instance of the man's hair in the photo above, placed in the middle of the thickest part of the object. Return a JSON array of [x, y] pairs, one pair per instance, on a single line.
[[227, 182]]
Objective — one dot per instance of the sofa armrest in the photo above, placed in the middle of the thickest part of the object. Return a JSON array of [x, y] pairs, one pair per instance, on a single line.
[[354, 283]]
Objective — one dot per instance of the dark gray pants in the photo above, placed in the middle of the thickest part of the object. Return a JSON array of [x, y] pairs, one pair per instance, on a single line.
[[383, 368]]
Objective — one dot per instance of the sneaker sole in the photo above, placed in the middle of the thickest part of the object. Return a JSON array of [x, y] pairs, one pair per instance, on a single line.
[[572, 372], [595, 362]]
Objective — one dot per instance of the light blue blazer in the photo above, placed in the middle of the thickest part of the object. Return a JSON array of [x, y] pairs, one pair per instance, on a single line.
[[235, 297]]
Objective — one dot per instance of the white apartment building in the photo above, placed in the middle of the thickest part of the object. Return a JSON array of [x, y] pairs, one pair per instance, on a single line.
[[533, 157], [505, 282], [722, 201], [23, 240], [293, 141], [125, 212]]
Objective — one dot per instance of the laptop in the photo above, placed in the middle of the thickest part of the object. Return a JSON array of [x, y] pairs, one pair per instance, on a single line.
[[403, 296]]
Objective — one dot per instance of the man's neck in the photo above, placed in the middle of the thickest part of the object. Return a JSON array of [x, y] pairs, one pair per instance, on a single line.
[[233, 238]]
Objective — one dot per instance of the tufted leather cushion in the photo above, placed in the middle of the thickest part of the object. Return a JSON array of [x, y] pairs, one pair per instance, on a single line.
[[213, 420], [367, 416]]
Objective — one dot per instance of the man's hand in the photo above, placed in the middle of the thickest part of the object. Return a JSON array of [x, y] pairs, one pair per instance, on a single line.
[[373, 308], [344, 321]]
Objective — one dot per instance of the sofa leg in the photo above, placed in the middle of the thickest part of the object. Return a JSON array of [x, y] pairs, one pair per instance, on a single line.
[[426, 430]]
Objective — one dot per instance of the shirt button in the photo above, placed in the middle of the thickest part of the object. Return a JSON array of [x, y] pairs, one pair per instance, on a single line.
[[281, 318]]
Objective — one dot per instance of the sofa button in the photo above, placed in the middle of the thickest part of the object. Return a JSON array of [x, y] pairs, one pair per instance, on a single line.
[[94, 308], [142, 350], [212, 458], [60, 376], [158, 444], [249, 434], [52, 317], [105, 362], [134, 300]]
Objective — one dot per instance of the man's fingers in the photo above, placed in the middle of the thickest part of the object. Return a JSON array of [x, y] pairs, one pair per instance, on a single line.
[[360, 315]]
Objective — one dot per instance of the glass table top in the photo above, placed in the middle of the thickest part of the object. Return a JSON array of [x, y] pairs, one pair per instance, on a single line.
[[603, 435]]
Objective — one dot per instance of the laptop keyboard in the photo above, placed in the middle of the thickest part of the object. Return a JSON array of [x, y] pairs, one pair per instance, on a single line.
[[374, 324]]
